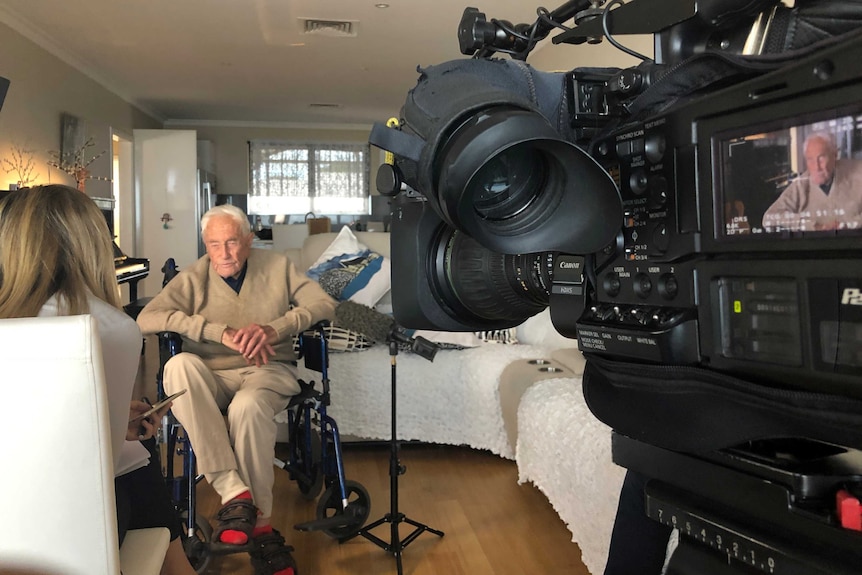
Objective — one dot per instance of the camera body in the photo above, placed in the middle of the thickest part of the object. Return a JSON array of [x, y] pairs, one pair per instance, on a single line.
[[652, 210], [692, 275], [696, 276], [636, 203]]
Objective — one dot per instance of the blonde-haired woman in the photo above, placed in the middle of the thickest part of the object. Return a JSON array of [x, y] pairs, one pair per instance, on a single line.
[[56, 258]]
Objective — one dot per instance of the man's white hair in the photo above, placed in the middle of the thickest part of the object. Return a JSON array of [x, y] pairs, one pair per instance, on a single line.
[[227, 210], [823, 135]]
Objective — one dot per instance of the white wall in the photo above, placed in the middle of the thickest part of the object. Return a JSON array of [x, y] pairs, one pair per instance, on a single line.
[[43, 88]]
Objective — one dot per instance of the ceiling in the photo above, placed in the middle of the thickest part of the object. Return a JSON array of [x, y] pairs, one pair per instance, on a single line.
[[250, 61]]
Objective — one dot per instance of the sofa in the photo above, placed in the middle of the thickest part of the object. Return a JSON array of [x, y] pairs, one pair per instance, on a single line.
[[520, 400]]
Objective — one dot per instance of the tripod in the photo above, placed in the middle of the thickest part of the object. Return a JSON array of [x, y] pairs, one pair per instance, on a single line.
[[427, 350]]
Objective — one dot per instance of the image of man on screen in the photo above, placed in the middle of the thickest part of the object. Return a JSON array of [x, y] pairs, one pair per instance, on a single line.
[[827, 196]]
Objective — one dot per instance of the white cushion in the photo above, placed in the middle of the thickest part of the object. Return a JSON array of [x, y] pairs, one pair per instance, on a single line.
[[345, 243]]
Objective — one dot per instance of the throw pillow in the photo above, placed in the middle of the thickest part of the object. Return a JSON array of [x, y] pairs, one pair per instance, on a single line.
[[340, 339], [344, 244], [348, 270], [371, 282], [506, 336]]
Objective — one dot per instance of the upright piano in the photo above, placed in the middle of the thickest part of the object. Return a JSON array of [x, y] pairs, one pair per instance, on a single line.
[[130, 270]]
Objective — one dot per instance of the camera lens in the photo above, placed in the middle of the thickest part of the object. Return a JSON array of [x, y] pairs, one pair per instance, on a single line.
[[507, 178], [508, 184], [490, 285]]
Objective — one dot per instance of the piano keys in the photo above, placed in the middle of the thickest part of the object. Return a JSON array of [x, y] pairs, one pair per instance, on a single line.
[[130, 271]]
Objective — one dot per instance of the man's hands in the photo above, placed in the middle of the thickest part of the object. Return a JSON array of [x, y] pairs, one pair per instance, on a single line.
[[254, 342]]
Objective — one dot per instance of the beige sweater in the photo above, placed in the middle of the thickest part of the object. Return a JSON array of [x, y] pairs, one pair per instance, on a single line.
[[801, 207], [199, 305]]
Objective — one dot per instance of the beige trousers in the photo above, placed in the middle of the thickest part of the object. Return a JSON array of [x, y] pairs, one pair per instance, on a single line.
[[252, 396]]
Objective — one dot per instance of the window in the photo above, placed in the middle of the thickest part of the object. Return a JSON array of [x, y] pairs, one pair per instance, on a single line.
[[297, 178]]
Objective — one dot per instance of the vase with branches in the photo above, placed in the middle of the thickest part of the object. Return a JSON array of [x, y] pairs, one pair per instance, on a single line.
[[22, 164], [76, 163]]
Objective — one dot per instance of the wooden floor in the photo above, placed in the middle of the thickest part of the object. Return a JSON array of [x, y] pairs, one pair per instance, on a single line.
[[491, 524]]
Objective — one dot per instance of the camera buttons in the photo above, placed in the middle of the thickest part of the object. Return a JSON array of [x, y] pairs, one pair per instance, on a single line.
[[655, 146], [624, 149], [658, 191], [612, 284], [668, 286], [643, 285], [660, 238], [638, 182]]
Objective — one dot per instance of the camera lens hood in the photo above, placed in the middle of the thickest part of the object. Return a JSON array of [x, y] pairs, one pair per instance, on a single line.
[[498, 163], [507, 179]]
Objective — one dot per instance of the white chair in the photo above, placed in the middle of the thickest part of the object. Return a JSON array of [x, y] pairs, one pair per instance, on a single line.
[[59, 509]]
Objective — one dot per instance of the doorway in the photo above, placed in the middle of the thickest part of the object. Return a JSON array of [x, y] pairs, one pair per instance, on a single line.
[[123, 193]]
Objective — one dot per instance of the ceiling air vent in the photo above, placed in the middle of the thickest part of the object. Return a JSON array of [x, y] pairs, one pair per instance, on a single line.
[[343, 28], [324, 105]]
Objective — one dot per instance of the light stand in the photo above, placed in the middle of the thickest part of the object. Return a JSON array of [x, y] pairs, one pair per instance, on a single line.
[[426, 349]]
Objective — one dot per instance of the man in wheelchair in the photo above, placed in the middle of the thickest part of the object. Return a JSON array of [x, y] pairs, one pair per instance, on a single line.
[[237, 309]]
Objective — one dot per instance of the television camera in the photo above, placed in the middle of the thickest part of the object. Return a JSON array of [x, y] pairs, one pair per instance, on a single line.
[[723, 343]]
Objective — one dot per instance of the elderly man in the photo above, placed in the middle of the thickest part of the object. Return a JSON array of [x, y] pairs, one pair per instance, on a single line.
[[237, 309], [827, 196]]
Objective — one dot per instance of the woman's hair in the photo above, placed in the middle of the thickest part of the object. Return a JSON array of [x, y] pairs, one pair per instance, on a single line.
[[53, 240], [227, 210]]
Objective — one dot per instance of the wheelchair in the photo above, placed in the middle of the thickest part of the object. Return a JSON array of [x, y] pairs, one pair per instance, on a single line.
[[314, 450], [314, 458]]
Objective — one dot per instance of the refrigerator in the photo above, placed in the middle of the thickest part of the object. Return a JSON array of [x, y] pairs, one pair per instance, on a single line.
[[206, 198], [171, 195]]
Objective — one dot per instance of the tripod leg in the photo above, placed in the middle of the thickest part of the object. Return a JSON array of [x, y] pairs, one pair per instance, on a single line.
[[423, 527], [394, 517]]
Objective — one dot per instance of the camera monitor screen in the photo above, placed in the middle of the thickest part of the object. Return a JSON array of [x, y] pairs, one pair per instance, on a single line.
[[803, 178]]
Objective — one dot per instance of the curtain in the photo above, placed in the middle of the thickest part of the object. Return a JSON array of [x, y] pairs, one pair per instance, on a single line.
[[299, 177]]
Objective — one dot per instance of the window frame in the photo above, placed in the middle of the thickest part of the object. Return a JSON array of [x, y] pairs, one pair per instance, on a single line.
[[308, 154]]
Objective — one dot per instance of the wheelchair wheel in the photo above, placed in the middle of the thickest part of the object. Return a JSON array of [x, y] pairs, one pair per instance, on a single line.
[[310, 485], [356, 514], [197, 546]]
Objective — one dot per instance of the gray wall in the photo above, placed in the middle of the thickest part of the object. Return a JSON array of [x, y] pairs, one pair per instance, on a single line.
[[43, 88], [564, 57]]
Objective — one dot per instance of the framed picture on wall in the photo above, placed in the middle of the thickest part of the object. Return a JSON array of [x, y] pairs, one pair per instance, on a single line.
[[86, 154], [72, 137]]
